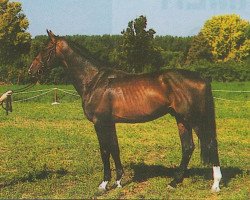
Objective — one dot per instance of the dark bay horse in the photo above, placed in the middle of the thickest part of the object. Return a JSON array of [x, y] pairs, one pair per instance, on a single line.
[[110, 97]]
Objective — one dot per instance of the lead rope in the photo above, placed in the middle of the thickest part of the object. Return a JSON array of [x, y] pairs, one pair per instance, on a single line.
[[26, 87], [6, 98], [8, 104]]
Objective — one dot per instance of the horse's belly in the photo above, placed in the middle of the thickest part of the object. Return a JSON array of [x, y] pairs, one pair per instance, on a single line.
[[138, 111]]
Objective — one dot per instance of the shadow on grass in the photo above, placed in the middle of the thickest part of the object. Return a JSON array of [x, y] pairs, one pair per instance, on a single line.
[[45, 173], [143, 172]]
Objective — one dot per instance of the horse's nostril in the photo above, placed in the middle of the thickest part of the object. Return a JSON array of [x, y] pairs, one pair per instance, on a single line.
[[39, 71]]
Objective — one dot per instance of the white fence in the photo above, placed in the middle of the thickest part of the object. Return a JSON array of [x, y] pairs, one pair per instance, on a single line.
[[44, 92], [73, 93]]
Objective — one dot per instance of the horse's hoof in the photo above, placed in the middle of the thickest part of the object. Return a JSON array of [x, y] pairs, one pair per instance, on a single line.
[[118, 184], [169, 187], [100, 188], [103, 186], [215, 189]]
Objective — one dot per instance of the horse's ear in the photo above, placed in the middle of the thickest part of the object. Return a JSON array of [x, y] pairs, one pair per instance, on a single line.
[[51, 35]]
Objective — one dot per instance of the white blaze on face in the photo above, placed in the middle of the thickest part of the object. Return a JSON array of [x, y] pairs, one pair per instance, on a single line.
[[29, 71], [217, 177]]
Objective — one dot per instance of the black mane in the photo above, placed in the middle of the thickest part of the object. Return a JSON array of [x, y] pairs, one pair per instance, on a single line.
[[85, 53]]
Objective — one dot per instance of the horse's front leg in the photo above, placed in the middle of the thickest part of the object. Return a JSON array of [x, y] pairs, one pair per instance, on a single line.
[[115, 152], [103, 138], [185, 132], [107, 138]]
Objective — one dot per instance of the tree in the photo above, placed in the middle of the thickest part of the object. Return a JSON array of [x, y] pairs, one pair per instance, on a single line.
[[226, 36], [137, 50], [199, 50], [247, 32], [14, 39], [174, 49]]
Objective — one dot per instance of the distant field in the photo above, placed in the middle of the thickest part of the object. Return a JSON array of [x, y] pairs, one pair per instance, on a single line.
[[52, 151]]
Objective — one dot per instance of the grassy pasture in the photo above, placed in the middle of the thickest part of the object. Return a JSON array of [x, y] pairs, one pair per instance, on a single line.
[[52, 152]]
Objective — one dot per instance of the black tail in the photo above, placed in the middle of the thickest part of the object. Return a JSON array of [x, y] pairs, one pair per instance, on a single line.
[[207, 136]]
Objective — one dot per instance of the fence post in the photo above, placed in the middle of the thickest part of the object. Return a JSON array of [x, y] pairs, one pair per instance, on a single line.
[[55, 97]]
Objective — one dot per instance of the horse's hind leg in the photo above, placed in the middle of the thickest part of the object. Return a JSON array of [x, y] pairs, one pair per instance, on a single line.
[[185, 133], [209, 150]]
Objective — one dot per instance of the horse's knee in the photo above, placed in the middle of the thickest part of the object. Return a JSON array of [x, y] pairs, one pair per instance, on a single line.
[[188, 149]]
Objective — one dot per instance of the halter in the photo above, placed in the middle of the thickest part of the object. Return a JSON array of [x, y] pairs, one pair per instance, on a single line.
[[40, 71], [45, 59]]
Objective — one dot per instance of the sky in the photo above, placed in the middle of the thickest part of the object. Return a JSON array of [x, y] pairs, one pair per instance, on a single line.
[[98, 17]]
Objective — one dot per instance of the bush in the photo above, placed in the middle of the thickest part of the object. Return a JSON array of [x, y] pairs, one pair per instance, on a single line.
[[226, 72]]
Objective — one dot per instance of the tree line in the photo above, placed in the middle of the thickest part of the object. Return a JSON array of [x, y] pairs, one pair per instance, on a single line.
[[220, 50]]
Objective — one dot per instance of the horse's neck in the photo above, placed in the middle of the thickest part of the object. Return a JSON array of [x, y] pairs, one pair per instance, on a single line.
[[81, 70]]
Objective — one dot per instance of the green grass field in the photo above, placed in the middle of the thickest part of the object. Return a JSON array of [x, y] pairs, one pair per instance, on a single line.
[[52, 152]]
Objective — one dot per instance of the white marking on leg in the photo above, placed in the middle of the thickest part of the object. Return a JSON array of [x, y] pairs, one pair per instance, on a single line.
[[103, 185], [217, 177], [170, 187], [118, 183]]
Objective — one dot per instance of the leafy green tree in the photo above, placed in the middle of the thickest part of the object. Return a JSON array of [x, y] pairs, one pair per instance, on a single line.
[[247, 32], [174, 49], [226, 36], [199, 50], [137, 51], [14, 40]]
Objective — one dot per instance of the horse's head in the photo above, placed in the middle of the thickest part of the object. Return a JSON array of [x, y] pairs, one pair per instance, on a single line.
[[46, 56]]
